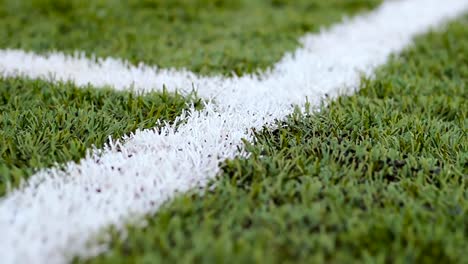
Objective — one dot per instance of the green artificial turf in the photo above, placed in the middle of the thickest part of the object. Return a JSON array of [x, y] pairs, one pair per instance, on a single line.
[[376, 177], [43, 123], [205, 36]]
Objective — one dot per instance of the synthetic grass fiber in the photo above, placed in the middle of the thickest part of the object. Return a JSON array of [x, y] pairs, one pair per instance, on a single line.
[[378, 177], [221, 36], [44, 123]]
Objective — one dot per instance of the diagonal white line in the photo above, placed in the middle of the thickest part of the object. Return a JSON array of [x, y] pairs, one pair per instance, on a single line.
[[51, 218]]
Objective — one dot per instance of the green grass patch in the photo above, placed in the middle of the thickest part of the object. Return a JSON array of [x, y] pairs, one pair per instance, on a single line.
[[222, 36], [376, 177], [42, 123]]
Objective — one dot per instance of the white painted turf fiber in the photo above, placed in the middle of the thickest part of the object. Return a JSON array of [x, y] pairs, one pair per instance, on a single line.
[[52, 217]]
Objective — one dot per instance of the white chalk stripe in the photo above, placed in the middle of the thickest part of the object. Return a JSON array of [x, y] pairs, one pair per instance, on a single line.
[[54, 216]]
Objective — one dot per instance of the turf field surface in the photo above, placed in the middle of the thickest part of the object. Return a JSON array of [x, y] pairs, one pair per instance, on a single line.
[[138, 144]]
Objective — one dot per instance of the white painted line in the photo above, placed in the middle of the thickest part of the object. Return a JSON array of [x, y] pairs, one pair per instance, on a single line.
[[51, 219]]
